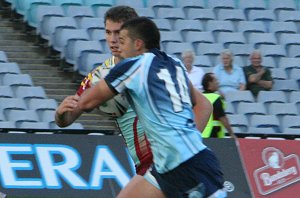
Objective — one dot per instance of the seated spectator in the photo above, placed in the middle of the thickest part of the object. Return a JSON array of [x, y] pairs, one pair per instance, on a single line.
[[230, 76], [218, 120], [195, 74], [258, 77]]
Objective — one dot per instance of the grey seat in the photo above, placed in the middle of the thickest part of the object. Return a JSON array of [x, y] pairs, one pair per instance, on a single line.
[[175, 48], [241, 49], [209, 49], [272, 50], [251, 109], [283, 27], [7, 124], [289, 121], [17, 80], [261, 15], [44, 13], [163, 24], [285, 85], [225, 4], [170, 36], [228, 38], [22, 116], [267, 97], [134, 4], [202, 61], [231, 15], [33, 125], [74, 126], [265, 121], [269, 61], [9, 68], [155, 4], [47, 116], [278, 5], [289, 63], [27, 93], [12, 103], [78, 12], [248, 27], [199, 37], [201, 14], [239, 96], [262, 130], [238, 120], [42, 104], [188, 25], [279, 74], [262, 38], [146, 12], [219, 26], [170, 13], [188, 4], [6, 92], [283, 109]]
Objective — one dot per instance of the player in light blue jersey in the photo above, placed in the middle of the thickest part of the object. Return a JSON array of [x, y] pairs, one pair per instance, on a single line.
[[158, 89]]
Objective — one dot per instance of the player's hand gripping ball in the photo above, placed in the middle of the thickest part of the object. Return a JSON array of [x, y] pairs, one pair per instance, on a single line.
[[114, 107]]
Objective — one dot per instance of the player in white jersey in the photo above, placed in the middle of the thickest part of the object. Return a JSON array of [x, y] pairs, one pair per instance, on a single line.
[[159, 91]]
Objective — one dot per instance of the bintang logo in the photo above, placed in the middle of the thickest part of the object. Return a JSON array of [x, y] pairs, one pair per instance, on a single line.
[[279, 171]]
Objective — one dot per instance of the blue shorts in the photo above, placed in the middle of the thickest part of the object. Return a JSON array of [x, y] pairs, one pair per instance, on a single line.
[[200, 176]]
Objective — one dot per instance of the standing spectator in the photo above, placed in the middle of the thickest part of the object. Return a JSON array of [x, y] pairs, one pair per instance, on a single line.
[[258, 77], [195, 74], [218, 119], [230, 76]]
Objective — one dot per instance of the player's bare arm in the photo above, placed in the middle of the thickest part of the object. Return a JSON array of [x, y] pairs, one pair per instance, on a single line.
[[95, 96], [202, 108], [67, 112]]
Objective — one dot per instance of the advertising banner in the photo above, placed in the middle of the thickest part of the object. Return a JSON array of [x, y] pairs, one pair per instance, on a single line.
[[62, 166], [272, 166]]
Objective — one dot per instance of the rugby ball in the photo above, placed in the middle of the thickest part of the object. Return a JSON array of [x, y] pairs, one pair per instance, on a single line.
[[115, 107]]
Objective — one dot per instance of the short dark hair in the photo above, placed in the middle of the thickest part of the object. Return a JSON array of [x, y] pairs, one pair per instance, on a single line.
[[144, 29], [207, 78], [120, 14]]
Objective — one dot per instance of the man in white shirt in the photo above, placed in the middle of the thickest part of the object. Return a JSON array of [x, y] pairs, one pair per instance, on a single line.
[[195, 74]]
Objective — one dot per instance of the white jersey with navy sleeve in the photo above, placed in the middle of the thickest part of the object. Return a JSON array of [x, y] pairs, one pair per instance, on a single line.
[[158, 90]]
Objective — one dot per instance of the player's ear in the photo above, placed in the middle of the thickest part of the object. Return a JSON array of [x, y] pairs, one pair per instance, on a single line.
[[139, 44]]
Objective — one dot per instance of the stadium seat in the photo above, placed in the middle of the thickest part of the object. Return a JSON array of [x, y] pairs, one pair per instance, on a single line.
[[41, 104], [30, 13], [248, 27], [6, 92], [22, 6], [17, 80], [295, 74], [154, 4], [163, 24], [278, 5], [261, 15], [9, 68], [12, 103], [288, 16], [262, 38], [282, 27], [170, 36], [268, 97], [229, 109], [3, 57], [22, 116], [170, 13], [289, 63], [97, 35], [288, 40], [239, 60], [73, 49], [90, 24], [100, 11], [202, 61], [198, 37], [272, 50], [241, 49], [295, 97], [285, 85], [238, 120], [217, 5], [231, 15], [146, 12], [269, 61], [251, 5], [7, 124], [79, 12], [228, 38], [209, 49], [66, 3], [294, 51], [188, 25], [238, 97], [47, 116], [288, 131], [188, 4], [201, 14], [174, 48], [133, 4], [282, 109], [88, 61], [279, 74], [27, 93], [44, 13], [262, 130], [75, 126], [49, 26], [265, 121], [62, 36], [289, 121], [219, 26], [33, 125], [250, 109], [98, 3]]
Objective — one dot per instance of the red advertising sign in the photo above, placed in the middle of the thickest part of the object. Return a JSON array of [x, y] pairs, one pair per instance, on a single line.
[[272, 166]]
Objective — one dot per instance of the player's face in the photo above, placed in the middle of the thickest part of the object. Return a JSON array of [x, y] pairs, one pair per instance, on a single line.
[[127, 45], [112, 30]]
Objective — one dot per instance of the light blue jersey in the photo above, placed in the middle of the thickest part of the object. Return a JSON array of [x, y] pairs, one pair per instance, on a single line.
[[158, 90]]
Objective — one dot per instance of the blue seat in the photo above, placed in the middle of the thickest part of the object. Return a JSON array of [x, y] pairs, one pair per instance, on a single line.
[[22, 6], [17, 80], [269, 61], [289, 63], [201, 14], [279, 74], [251, 26], [43, 13], [294, 51], [289, 16], [272, 50], [170, 36], [282, 27], [265, 121], [30, 13], [252, 5], [202, 61], [90, 24], [224, 4], [100, 11], [97, 35], [231, 15], [261, 15], [62, 36], [163, 24], [28, 93], [289, 121], [7, 125], [250, 109], [50, 25], [3, 57], [87, 61], [98, 3], [283, 109], [267, 97], [9, 68], [288, 40], [170, 13], [66, 3], [188, 25], [188, 4], [228, 38], [229, 109], [75, 126], [75, 48], [241, 49], [79, 12], [285, 85], [238, 120], [295, 74], [199, 37], [209, 49], [133, 4], [33, 125], [6, 92], [239, 96], [47, 116], [174, 48], [278, 5], [22, 116], [154, 4], [12, 103], [146, 12], [219, 26], [41, 104], [263, 130], [262, 38], [294, 97]]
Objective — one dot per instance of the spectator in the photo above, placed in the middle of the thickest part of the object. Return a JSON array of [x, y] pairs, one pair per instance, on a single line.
[[195, 74], [218, 119], [258, 77], [230, 76]]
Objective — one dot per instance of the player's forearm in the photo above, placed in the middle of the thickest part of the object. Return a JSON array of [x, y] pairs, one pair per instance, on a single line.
[[65, 119]]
